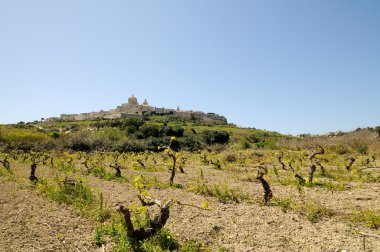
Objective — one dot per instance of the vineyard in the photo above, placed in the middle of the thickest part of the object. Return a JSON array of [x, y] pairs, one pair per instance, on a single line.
[[242, 195]]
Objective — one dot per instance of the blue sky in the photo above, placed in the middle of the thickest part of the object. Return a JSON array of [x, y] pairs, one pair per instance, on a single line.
[[289, 66]]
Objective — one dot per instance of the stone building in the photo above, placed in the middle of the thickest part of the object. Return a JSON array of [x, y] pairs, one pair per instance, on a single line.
[[134, 108]]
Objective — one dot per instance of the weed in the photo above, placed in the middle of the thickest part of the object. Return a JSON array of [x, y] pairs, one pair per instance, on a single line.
[[367, 177], [312, 210], [162, 241], [222, 249], [98, 236], [191, 246], [315, 212], [370, 218], [285, 204], [116, 231], [69, 192], [103, 212], [66, 166], [5, 172], [320, 184], [101, 172], [328, 185], [220, 191]]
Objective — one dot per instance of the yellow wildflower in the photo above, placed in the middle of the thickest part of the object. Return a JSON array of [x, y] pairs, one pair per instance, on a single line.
[[204, 205]]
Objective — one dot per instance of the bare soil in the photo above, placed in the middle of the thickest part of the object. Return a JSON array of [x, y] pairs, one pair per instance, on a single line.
[[30, 222]]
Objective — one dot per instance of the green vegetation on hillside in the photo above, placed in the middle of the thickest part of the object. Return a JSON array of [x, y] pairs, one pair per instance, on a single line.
[[131, 134]]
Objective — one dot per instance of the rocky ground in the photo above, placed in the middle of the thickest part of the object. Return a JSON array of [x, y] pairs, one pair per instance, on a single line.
[[31, 222]]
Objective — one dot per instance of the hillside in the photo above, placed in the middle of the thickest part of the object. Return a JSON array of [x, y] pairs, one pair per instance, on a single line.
[[132, 134], [163, 184]]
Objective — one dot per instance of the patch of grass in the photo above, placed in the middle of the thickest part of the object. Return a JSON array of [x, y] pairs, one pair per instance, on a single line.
[[149, 167], [192, 246], [115, 232], [65, 166], [101, 172], [222, 192], [321, 184], [4, 172], [250, 177], [162, 241], [328, 185], [315, 212], [370, 218], [312, 210], [288, 180], [368, 177], [77, 194], [154, 182], [102, 213], [222, 249], [285, 204]]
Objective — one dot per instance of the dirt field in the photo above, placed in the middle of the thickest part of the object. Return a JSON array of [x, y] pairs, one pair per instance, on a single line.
[[31, 222]]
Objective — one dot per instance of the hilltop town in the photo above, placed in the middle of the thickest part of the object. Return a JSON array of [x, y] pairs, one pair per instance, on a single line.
[[141, 110]]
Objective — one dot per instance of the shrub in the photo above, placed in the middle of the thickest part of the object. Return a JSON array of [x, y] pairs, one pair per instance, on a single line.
[[84, 141], [190, 142], [54, 134], [215, 137], [176, 131], [132, 124], [263, 139], [111, 134], [150, 130], [245, 144], [152, 143], [130, 146]]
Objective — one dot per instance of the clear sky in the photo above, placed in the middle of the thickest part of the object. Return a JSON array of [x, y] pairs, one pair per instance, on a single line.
[[306, 66]]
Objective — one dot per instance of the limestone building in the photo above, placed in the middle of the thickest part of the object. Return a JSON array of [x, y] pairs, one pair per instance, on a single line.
[[134, 108]]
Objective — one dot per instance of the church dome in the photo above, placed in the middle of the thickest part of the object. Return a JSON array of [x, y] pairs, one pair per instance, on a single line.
[[132, 100]]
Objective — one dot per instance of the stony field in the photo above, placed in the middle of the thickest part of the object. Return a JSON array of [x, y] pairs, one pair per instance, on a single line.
[[217, 202]]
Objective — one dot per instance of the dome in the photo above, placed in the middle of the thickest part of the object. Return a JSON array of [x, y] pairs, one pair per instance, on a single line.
[[132, 100]]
